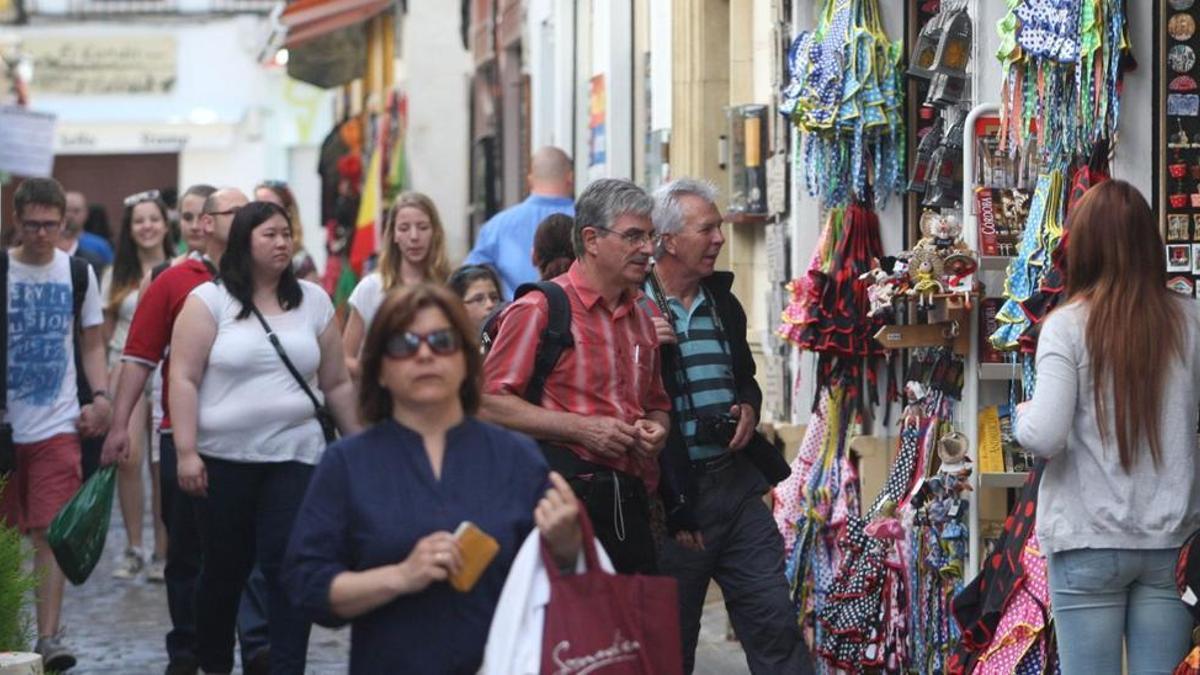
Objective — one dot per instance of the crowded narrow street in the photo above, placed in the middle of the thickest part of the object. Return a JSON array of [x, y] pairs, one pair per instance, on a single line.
[[599, 337]]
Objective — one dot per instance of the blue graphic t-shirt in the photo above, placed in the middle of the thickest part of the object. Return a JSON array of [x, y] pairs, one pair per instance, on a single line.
[[42, 396]]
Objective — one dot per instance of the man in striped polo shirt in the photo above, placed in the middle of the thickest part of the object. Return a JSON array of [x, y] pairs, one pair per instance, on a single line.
[[722, 529]]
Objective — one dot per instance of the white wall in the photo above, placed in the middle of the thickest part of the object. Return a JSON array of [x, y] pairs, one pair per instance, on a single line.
[[550, 62], [435, 74]]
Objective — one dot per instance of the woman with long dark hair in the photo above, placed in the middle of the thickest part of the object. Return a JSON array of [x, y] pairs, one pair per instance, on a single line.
[[374, 544], [142, 243], [414, 251], [246, 429], [1114, 412]]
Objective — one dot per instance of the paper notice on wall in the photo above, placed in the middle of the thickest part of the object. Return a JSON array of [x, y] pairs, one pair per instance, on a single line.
[[777, 254], [26, 142], [777, 187]]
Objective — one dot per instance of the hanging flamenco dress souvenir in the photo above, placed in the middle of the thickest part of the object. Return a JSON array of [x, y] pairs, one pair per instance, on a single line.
[[843, 93]]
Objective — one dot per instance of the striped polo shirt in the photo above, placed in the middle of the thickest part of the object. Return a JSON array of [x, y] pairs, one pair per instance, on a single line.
[[708, 367]]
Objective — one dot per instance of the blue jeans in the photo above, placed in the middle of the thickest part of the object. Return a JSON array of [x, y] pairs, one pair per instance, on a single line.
[[248, 515], [1106, 599]]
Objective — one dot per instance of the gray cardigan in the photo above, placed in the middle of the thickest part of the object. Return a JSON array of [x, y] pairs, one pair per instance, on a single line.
[[1086, 499]]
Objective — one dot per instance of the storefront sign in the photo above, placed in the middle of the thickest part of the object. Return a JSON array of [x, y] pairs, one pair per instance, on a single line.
[[26, 142], [84, 139], [91, 66]]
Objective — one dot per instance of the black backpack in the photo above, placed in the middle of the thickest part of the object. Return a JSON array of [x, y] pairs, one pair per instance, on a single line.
[[554, 340]]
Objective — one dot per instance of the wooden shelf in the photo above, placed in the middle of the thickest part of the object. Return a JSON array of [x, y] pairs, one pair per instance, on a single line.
[[999, 371], [1008, 479], [994, 263]]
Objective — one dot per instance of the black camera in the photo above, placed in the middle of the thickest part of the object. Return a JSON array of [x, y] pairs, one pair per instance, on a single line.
[[716, 430]]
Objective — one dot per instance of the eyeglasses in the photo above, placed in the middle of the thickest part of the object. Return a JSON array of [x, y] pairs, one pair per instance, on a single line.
[[482, 297], [147, 196], [635, 238], [406, 345], [32, 226], [226, 212]]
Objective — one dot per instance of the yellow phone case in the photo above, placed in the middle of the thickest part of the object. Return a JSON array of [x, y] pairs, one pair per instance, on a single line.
[[478, 550]]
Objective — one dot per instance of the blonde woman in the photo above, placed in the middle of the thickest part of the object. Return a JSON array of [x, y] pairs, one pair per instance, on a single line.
[[142, 244], [415, 252]]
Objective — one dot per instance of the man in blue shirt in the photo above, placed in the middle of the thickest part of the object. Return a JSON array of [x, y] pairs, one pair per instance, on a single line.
[[76, 241], [506, 240], [722, 529]]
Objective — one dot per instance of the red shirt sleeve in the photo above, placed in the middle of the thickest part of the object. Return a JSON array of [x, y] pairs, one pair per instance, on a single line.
[[509, 363], [150, 330]]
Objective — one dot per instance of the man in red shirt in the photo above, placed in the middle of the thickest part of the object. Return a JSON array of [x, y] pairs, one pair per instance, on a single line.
[[146, 346], [604, 413]]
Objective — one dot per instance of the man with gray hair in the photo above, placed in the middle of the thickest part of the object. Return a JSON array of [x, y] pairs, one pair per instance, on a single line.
[[600, 414], [506, 240], [721, 528]]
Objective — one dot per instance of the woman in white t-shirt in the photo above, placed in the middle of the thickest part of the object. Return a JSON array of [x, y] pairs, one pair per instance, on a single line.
[[415, 251], [246, 431], [142, 243]]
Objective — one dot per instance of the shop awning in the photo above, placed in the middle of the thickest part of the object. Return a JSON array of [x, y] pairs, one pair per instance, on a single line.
[[309, 19]]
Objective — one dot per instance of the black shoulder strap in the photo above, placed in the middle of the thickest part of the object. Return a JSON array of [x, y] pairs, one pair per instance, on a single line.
[[284, 357], [79, 286], [555, 339], [4, 341], [79, 289], [159, 269]]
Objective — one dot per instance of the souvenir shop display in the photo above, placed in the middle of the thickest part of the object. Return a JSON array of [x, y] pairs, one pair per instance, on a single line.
[[1064, 62], [1178, 176], [843, 93]]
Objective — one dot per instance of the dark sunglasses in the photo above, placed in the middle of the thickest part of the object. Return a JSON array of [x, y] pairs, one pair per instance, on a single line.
[[405, 345]]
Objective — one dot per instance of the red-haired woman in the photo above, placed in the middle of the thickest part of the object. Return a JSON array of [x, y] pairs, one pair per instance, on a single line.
[[1115, 411]]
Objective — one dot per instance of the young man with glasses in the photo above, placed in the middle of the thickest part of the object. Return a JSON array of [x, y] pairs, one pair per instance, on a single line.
[[603, 415], [145, 348], [42, 406]]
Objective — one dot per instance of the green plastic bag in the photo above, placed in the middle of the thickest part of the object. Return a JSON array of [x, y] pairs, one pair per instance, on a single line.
[[78, 532]]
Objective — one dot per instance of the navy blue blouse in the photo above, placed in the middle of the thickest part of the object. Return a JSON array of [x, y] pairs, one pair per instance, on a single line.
[[373, 496]]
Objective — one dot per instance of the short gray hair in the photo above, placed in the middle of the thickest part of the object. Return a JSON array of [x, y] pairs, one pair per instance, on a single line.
[[668, 214], [603, 202]]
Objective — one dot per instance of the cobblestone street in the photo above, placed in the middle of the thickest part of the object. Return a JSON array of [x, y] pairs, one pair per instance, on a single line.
[[117, 626]]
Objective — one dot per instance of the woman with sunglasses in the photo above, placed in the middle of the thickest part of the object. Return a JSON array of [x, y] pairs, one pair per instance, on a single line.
[[479, 289], [278, 192], [143, 242], [414, 251], [246, 432], [372, 544]]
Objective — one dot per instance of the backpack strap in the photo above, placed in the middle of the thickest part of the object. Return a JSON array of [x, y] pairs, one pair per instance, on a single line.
[[159, 269], [4, 335], [79, 288], [554, 340]]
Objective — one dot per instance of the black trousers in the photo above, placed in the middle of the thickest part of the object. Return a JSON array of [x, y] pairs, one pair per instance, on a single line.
[[618, 506]]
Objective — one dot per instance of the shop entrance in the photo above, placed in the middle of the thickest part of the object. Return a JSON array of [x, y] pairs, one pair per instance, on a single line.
[[109, 179]]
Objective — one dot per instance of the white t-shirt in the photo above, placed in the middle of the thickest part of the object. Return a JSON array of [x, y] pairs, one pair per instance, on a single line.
[[43, 400], [124, 317], [251, 408], [366, 298]]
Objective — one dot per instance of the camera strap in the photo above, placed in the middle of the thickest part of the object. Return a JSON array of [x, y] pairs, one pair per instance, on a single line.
[[685, 383]]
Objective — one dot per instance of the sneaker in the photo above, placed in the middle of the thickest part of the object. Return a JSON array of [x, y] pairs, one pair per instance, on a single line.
[[156, 569], [129, 564], [55, 656]]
